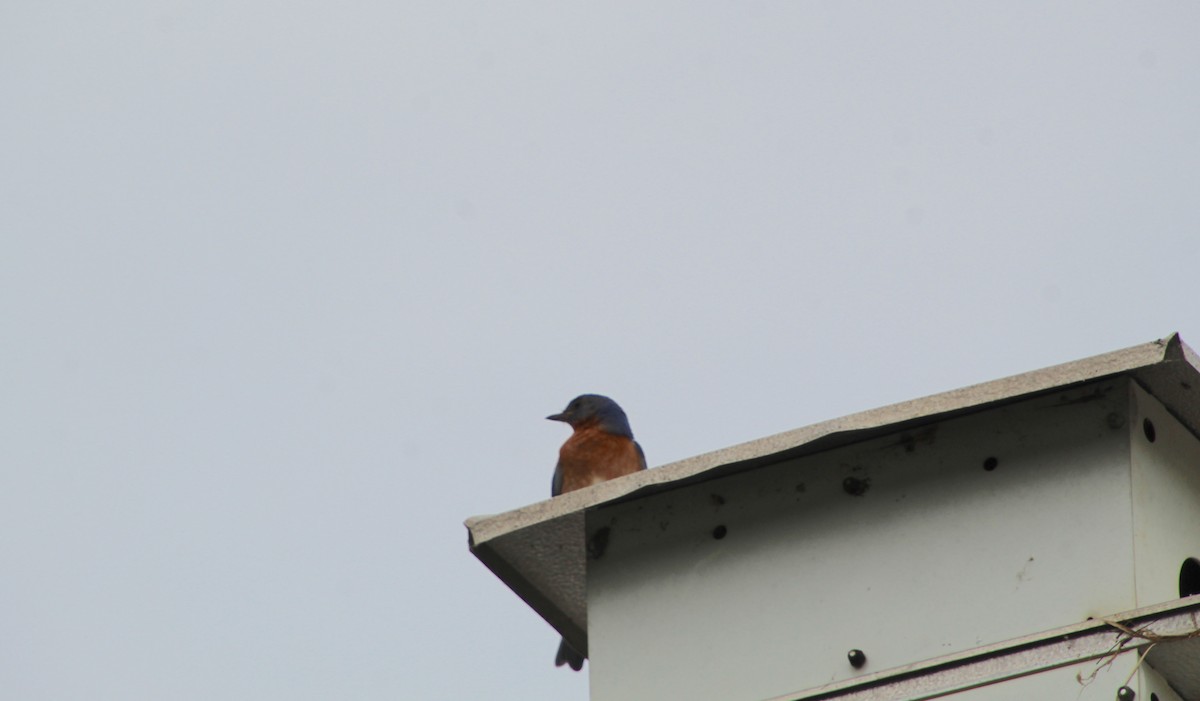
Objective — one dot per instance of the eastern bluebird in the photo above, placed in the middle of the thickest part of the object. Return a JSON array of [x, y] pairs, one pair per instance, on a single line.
[[600, 448]]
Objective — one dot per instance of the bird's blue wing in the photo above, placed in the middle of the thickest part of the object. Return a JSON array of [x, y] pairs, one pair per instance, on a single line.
[[556, 481], [641, 454]]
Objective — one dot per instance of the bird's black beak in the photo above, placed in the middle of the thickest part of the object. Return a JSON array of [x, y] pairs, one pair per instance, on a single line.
[[558, 417]]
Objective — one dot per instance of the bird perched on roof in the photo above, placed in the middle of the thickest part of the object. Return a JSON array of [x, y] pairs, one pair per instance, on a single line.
[[601, 447]]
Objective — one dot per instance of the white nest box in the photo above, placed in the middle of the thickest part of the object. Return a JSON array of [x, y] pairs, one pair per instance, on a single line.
[[1026, 538]]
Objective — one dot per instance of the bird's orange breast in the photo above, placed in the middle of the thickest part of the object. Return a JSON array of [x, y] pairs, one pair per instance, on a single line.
[[591, 456]]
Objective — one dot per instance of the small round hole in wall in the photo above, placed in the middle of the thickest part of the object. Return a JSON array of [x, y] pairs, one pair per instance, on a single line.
[[719, 532], [1153, 696], [1148, 429], [1189, 577], [990, 464]]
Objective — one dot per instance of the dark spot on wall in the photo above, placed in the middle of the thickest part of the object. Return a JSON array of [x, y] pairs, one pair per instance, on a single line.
[[598, 543], [855, 486]]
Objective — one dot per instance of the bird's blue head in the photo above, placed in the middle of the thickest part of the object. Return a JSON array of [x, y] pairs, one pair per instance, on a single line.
[[594, 408]]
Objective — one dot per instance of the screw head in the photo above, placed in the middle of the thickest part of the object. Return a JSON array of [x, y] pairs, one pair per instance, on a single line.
[[1125, 694], [857, 658]]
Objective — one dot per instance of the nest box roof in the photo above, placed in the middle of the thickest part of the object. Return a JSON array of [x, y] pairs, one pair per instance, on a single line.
[[539, 550]]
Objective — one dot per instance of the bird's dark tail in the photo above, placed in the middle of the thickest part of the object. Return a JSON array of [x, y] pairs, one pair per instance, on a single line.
[[569, 656]]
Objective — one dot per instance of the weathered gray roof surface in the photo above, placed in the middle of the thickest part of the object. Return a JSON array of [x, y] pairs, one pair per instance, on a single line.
[[539, 551]]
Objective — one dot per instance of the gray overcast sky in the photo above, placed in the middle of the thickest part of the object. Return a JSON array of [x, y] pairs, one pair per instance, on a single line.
[[288, 288]]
